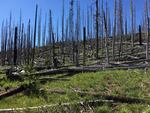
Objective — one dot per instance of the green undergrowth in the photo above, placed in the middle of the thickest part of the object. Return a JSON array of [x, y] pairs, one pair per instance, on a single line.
[[126, 83]]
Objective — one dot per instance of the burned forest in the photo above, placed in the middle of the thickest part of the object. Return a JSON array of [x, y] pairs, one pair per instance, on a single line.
[[93, 58]]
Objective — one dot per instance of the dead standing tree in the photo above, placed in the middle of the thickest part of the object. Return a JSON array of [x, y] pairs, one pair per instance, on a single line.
[[140, 36], [71, 28], [146, 16], [19, 39], [55, 60], [97, 29], [5, 37], [34, 43], [39, 31], [15, 46], [28, 43], [148, 35], [120, 27], [114, 29], [50, 30], [132, 24], [62, 45], [106, 40], [77, 33], [3, 44], [84, 45], [44, 33], [9, 57], [21, 46]]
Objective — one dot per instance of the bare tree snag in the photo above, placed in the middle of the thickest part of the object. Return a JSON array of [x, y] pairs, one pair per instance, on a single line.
[[15, 46], [97, 29], [140, 35], [34, 45], [84, 45], [62, 48], [148, 35], [132, 23], [114, 32], [106, 40]]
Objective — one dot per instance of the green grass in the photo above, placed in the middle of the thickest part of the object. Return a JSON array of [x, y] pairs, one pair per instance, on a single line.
[[130, 83], [124, 83]]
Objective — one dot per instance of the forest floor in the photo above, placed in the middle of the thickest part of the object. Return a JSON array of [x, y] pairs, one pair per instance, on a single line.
[[119, 83]]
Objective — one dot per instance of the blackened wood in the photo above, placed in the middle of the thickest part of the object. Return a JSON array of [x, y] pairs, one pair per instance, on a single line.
[[15, 46], [140, 35], [13, 92], [84, 44], [33, 55], [97, 29]]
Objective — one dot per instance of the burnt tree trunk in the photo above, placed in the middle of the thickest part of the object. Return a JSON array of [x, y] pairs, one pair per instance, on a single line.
[[15, 46], [97, 29], [140, 35], [147, 46], [34, 35], [54, 54], [84, 45]]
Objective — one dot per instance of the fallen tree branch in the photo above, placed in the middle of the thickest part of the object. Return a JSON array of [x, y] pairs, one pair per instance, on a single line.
[[79, 103], [13, 92], [120, 99], [116, 99], [53, 79], [92, 69], [62, 71]]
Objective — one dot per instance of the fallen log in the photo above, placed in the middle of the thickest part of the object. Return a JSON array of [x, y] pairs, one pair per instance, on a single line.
[[79, 103], [13, 92], [91, 69], [53, 79], [62, 71], [116, 99], [48, 72], [136, 61]]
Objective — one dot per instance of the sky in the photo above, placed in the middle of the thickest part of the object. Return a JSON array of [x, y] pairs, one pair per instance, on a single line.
[[27, 7]]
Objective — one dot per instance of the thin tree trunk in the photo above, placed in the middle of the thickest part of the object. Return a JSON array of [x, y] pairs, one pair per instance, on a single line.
[[106, 40], [84, 45], [140, 35], [147, 46], [15, 46], [97, 30], [33, 56], [62, 52], [114, 32]]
